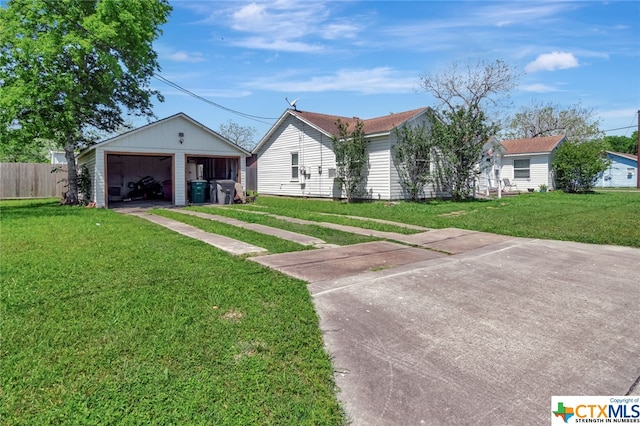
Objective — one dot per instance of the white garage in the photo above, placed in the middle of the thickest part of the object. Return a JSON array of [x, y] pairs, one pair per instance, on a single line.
[[159, 160]]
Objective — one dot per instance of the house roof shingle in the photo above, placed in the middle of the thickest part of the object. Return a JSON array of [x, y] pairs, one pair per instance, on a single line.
[[532, 145], [371, 126]]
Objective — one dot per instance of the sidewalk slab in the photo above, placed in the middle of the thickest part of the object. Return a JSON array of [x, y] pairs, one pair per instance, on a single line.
[[223, 243], [320, 265], [388, 222], [302, 239]]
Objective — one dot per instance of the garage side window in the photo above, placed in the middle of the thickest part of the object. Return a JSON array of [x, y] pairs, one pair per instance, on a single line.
[[521, 169], [294, 166]]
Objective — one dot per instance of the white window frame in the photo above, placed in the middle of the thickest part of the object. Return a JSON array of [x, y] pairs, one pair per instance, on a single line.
[[521, 169], [295, 166]]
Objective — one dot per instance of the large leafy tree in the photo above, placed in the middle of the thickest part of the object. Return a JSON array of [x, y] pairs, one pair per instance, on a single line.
[[350, 149], [577, 165], [623, 143], [460, 136], [575, 122], [413, 153], [69, 68], [467, 95], [25, 150]]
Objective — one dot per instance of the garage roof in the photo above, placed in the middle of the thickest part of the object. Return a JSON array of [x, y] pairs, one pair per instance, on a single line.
[[155, 123]]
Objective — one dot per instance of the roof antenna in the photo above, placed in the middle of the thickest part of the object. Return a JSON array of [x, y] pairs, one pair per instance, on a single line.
[[292, 104]]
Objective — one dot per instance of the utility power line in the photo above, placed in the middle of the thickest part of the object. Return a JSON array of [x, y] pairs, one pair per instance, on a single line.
[[620, 128]]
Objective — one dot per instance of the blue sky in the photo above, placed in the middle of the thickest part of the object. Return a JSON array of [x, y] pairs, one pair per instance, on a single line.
[[365, 58]]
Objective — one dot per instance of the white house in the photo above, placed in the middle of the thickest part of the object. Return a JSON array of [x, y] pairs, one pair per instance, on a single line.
[[527, 162], [622, 172], [172, 151], [296, 158]]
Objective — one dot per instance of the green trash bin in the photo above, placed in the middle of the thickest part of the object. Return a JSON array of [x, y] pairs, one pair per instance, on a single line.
[[197, 191]]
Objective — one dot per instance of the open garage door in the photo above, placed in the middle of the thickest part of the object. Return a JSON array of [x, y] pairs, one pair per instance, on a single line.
[[139, 178], [209, 170]]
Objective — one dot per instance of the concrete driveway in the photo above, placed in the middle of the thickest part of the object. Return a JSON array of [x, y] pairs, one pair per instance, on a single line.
[[462, 327], [486, 336]]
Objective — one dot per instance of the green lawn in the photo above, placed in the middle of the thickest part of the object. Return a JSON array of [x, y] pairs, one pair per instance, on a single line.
[[601, 217], [273, 244], [312, 209], [328, 235], [110, 319]]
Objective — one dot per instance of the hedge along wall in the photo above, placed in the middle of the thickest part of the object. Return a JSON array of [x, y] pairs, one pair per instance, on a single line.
[[32, 180]]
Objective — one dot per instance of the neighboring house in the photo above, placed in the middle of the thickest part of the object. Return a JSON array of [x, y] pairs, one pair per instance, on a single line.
[[58, 157], [623, 171], [173, 151], [296, 158], [527, 162]]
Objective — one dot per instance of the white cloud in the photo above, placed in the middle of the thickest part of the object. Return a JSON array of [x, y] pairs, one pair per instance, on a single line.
[[290, 25], [280, 45], [371, 81], [286, 19], [341, 31], [182, 56], [539, 88], [165, 52], [512, 13], [552, 61]]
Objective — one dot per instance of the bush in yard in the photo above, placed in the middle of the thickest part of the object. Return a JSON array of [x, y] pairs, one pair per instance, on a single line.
[[577, 165], [350, 148], [413, 153]]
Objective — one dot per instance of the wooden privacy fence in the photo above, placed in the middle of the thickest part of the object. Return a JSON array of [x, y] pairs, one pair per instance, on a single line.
[[31, 180]]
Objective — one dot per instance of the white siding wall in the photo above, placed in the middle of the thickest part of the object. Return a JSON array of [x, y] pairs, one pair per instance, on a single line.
[[100, 178], [180, 180], [397, 191], [538, 171], [162, 138], [378, 169], [314, 150], [617, 175]]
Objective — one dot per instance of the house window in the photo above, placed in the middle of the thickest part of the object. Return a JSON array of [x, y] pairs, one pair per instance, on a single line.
[[521, 169], [294, 166]]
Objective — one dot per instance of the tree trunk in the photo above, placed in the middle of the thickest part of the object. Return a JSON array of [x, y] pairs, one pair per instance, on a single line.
[[71, 196]]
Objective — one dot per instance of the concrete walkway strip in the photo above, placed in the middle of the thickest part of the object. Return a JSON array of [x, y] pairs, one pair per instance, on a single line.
[[447, 240], [388, 222], [345, 228], [304, 240], [223, 243]]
